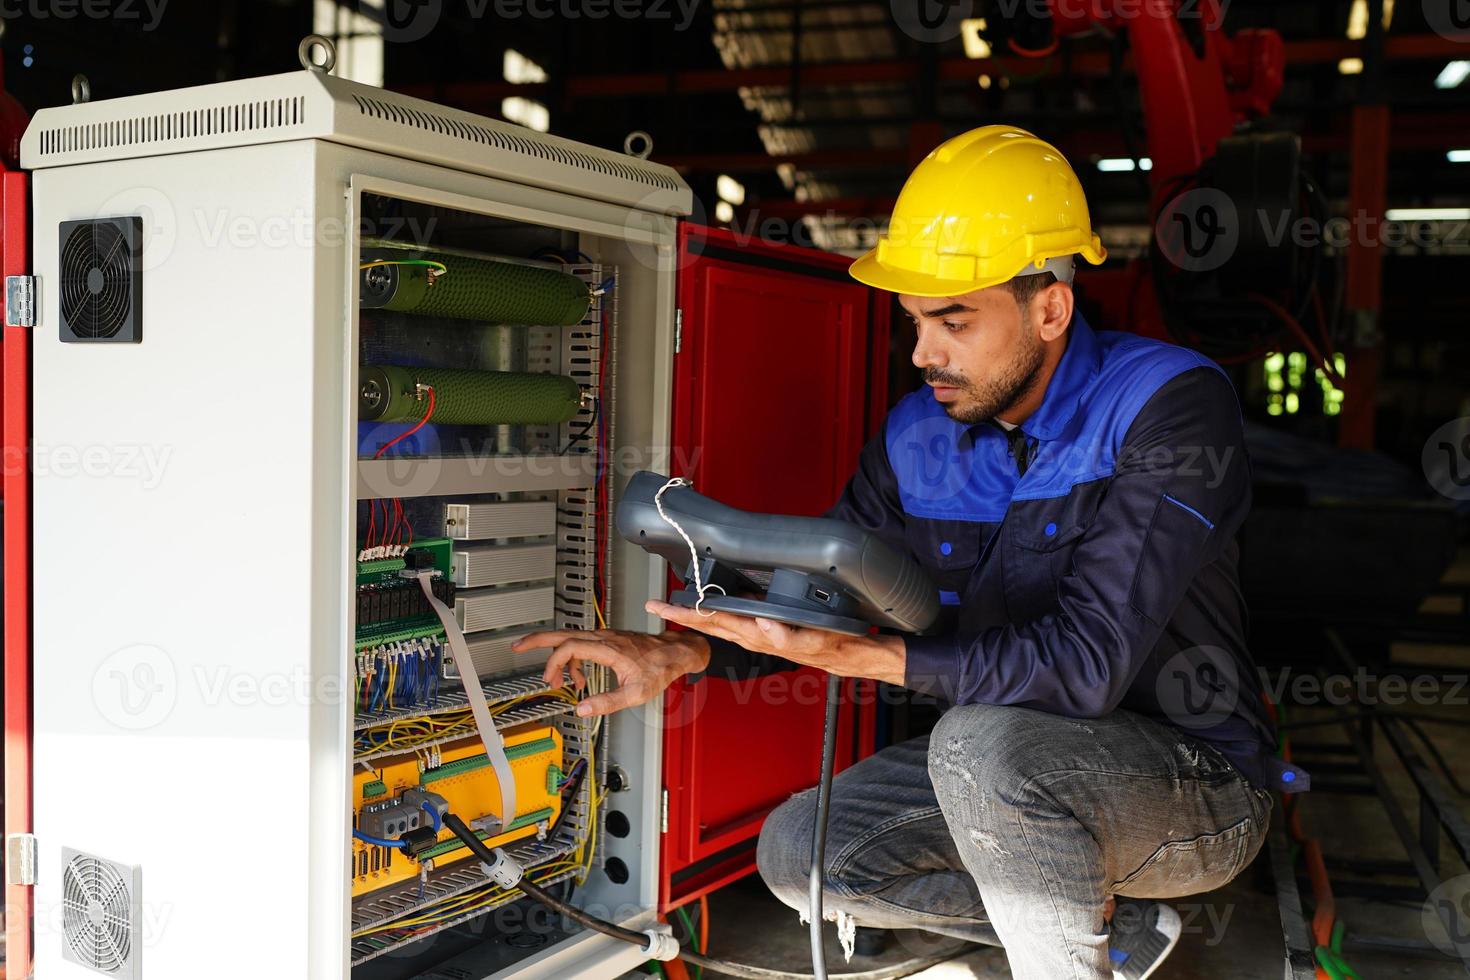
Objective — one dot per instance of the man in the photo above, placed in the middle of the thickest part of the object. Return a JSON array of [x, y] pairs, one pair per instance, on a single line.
[[1075, 497]]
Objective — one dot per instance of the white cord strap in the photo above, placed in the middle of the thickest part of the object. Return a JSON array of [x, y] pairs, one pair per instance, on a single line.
[[699, 587], [479, 706]]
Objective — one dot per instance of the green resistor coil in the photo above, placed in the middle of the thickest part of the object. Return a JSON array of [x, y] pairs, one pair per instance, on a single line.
[[476, 289], [389, 393]]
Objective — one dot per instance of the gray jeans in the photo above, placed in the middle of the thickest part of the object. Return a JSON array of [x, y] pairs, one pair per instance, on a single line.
[[1012, 827]]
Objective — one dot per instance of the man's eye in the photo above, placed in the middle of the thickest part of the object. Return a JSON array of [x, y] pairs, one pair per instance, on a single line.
[[953, 327]]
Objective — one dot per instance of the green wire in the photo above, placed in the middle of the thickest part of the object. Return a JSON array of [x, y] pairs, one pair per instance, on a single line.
[[693, 939], [1329, 963], [660, 970], [1339, 929]]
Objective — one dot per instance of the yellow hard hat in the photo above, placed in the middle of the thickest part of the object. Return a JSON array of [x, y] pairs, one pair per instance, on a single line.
[[981, 208]]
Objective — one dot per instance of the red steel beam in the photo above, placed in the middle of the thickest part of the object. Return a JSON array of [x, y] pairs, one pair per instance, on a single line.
[[1368, 196], [1407, 133], [484, 96]]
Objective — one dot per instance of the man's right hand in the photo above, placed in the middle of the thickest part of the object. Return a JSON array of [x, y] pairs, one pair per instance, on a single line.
[[644, 664]]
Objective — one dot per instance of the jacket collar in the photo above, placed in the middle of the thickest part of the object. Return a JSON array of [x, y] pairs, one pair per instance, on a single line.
[[1075, 373]]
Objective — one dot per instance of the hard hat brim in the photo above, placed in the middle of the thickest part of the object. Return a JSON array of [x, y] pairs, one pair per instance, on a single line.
[[868, 270]]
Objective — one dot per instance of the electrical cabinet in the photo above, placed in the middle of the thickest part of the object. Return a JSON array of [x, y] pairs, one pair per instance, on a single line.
[[321, 375], [310, 377]]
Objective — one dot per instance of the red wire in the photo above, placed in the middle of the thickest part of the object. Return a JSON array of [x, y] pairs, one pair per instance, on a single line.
[[1322, 330], [1045, 52], [1290, 322], [397, 439], [372, 521]]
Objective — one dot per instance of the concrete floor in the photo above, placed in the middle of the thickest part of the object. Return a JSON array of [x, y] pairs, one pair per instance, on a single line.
[[1230, 934]]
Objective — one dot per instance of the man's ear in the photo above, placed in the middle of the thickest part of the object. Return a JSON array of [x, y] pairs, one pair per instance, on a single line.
[[1053, 309]]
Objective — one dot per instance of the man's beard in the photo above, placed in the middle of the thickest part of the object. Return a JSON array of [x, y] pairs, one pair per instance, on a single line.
[[982, 402]]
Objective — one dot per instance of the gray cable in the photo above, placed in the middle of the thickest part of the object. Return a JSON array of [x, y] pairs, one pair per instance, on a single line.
[[479, 706], [819, 827], [906, 968]]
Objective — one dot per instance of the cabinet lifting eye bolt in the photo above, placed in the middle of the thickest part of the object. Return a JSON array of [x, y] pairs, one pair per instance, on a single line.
[[306, 52]]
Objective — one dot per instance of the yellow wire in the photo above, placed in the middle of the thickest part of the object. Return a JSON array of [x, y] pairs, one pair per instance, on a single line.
[[464, 904], [601, 622], [421, 262], [581, 858]]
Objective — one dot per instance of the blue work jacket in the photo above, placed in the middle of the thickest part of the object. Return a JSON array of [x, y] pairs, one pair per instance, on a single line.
[[1086, 559]]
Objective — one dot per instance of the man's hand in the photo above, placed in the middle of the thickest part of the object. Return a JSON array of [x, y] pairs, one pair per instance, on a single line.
[[644, 664], [880, 658]]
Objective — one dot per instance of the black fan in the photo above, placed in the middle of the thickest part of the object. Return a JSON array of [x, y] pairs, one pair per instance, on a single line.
[[102, 280]]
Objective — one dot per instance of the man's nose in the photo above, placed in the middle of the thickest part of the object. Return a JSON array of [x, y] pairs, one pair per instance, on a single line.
[[927, 351]]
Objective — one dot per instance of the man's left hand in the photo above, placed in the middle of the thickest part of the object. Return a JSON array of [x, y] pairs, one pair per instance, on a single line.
[[880, 658]]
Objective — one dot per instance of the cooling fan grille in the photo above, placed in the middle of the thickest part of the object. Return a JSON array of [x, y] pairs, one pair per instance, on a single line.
[[99, 924], [101, 282]]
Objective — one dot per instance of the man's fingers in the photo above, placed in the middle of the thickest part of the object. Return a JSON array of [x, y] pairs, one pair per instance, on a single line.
[[579, 679], [726, 626], [614, 700], [598, 653], [545, 638], [555, 663]]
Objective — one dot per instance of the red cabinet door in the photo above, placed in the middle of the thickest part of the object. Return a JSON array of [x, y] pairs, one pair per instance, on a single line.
[[779, 379]]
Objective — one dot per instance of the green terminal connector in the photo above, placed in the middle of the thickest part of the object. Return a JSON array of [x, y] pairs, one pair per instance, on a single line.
[[454, 843], [554, 778], [477, 762], [374, 789]]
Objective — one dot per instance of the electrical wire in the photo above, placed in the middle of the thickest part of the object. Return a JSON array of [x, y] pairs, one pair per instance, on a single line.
[[1297, 330], [439, 266], [1042, 52], [641, 940], [693, 938], [819, 827], [416, 427], [376, 841], [703, 924], [903, 969]]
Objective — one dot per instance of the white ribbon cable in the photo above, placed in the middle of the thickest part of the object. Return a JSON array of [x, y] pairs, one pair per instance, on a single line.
[[479, 706]]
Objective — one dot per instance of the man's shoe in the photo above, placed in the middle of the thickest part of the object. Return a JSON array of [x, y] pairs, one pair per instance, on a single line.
[[1143, 934]]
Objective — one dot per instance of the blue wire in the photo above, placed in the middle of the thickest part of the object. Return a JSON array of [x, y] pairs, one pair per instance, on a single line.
[[432, 812], [379, 841]]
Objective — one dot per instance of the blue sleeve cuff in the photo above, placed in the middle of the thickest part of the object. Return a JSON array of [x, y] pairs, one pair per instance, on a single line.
[[932, 666]]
